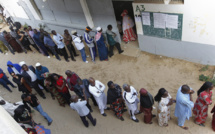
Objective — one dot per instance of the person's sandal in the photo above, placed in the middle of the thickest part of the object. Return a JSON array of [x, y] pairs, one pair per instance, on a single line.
[[202, 125], [185, 128]]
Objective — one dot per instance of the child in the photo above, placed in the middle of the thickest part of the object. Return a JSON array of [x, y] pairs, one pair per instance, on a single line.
[[213, 120], [83, 111]]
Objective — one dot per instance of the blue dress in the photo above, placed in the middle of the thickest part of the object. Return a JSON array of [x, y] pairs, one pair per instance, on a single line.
[[102, 49]]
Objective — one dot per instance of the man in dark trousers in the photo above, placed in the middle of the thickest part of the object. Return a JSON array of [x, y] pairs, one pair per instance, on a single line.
[[34, 103], [83, 111], [31, 78]]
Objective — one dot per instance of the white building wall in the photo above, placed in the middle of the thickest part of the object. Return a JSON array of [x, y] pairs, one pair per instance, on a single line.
[[8, 124], [198, 40]]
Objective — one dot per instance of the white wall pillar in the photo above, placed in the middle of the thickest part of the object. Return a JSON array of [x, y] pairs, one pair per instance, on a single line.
[[8, 124], [34, 9], [87, 13]]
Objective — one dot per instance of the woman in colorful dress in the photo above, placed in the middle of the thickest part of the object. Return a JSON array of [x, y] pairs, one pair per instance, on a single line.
[[53, 90], [127, 27], [164, 102], [114, 98], [60, 83], [200, 109]]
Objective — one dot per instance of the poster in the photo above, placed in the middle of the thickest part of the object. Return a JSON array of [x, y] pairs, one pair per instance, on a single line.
[[146, 18], [159, 20], [172, 21]]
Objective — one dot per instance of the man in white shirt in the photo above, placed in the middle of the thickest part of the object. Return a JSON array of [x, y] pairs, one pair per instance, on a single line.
[[60, 45], [131, 100], [82, 109], [28, 73], [77, 39], [97, 88]]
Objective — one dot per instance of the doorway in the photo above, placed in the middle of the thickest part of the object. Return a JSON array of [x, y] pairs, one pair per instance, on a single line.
[[119, 6]]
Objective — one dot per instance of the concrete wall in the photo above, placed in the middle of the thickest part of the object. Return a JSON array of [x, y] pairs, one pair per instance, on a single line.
[[68, 14], [198, 40], [8, 124]]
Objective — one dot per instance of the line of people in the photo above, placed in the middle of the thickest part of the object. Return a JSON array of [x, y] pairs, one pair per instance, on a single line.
[[20, 41], [27, 77]]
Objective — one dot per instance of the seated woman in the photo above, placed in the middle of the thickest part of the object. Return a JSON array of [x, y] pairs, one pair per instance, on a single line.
[[61, 85], [164, 102], [4, 81], [114, 98], [53, 90], [22, 115]]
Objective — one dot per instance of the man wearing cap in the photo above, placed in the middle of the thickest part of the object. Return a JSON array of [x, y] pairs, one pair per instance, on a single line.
[[146, 103], [101, 44], [60, 45], [50, 43], [31, 78], [68, 41], [40, 70], [90, 42], [131, 100], [77, 39]]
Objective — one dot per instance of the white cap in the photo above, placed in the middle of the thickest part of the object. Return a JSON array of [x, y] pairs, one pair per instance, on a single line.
[[38, 64], [73, 31], [22, 63], [98, 28]]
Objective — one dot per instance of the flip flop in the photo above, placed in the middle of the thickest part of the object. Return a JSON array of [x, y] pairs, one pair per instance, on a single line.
[[202, 125], [185, 128]]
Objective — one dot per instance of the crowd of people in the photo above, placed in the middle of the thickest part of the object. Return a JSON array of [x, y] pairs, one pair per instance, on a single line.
[[21, 41], [40, 79]]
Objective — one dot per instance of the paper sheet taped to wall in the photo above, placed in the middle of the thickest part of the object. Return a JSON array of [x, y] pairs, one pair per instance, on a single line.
[[146, 19], [172, 21], [159, 20]]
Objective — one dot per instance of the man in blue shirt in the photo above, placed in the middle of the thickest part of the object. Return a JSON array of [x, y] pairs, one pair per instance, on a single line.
[[50, 43], [40, 70]]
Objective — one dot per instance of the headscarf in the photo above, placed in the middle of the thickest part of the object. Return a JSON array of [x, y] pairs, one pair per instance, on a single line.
[[109, 83], [124, 12], [204, 87], [88, 28], [160, 94], [143, 91]]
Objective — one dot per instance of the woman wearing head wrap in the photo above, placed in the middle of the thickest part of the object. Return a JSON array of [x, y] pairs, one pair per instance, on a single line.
[[146, 103], [200, 109], [114, 98], [101, 45], [127, 27], [53, 90], [164, 102]]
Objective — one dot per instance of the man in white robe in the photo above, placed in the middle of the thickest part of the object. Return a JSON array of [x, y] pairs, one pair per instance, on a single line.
[[131, 100], [184, 105], [97, 88], [10, 107]]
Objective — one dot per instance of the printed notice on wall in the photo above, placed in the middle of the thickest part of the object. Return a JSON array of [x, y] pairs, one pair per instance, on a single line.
[[159, 20], [146, 18], [172, 21]]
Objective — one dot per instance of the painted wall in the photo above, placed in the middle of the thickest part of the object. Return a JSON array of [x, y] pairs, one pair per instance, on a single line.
[[8, 124], [68, 14], [198, 40]]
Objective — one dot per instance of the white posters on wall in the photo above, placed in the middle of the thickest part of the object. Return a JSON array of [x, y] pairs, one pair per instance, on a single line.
[[146, 18], [161, 20], [172, 21]]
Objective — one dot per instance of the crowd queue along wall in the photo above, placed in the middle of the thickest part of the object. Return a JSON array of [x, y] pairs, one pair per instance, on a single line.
[[179, 29]]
